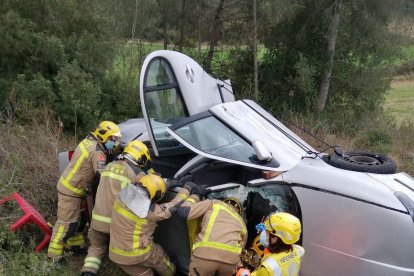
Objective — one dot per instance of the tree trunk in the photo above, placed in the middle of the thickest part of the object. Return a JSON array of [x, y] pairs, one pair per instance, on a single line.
[[182, 21], [332, 34], [256, 74], [199, 26], [215, 34], [163, 11]]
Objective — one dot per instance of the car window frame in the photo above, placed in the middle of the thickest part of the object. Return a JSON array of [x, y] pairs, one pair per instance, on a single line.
[[152, 89]]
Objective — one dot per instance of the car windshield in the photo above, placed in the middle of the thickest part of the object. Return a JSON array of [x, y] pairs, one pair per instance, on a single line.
[[211, 136]]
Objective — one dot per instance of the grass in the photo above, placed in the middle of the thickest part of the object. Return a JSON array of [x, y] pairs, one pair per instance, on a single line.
[[399, 102]]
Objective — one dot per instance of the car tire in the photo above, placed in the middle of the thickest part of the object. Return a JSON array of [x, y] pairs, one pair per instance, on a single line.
[[363, 161]]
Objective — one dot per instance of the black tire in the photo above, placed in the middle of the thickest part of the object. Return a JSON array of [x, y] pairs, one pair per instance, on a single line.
[[363, 161]]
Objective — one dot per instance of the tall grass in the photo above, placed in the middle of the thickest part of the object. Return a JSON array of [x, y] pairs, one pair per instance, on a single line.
[[376, 133]]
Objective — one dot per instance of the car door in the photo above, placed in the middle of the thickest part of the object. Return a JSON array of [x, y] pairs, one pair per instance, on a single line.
[[174, 86]]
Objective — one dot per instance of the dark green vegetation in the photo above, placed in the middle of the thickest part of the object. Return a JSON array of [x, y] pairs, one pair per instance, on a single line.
[[65, 65], [81, 59]]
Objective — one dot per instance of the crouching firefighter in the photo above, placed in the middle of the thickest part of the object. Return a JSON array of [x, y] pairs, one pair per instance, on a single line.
[[278, 234], [87, 162], [133, 223], [217, 248], [116, 175]]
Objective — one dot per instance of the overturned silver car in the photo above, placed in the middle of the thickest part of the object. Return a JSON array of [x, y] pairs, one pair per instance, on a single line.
[[357, 214]]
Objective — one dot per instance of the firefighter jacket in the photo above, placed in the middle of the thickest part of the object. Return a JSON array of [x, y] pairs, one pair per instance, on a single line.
[[114, 178], [223, 232], [281, 264], [131, 237], [87, 160]]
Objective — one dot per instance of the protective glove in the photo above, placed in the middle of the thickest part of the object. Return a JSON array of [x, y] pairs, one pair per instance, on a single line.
[[172, 183], [187, 178], [190, 186], [243, 272], [200, 190], [260, 227]]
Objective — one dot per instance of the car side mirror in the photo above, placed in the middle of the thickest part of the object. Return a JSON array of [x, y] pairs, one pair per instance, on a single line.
[[261, 151]]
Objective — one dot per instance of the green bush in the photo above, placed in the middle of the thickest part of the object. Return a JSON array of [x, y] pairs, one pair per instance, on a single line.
[[79, 97], [18, 257], [376, 140]]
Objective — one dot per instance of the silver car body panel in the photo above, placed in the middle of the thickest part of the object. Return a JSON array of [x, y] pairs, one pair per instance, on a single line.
[[343, 236], [317, 174]]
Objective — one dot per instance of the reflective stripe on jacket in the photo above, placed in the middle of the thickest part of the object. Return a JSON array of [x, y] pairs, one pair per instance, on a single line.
[[217, 207], [131, 238], [87, 160], [223, 232], [281, 264], [114, 177]]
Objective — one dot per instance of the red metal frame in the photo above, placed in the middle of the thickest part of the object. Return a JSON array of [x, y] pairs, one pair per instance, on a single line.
[[31, 215]]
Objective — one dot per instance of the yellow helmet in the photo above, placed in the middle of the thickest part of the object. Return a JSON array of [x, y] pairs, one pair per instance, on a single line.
[[258, 247], [155, 186], [138, 152], [285, 226], [233, 201], [105, 130]]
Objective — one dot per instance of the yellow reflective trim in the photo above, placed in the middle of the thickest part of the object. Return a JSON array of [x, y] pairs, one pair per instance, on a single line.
[[189, 199], [92, 262], [75, 241], [135, 237], [101, 218], [206, 243], [65, 181], [124, 180], [133, 253], [169, 264], [183, 196], [128, 214], [55, 251], [211, 222], [54, 246], [217, 245], [92, 265], [136, 251]]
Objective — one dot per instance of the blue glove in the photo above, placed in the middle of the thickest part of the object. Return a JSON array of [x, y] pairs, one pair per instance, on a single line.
[[260, 227]]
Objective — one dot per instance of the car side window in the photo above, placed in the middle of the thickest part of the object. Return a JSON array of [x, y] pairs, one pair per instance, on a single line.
[[163, 103], [262, 201]]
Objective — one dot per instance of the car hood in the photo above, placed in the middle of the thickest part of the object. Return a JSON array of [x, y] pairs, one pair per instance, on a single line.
[[253, 123], [399, 182]]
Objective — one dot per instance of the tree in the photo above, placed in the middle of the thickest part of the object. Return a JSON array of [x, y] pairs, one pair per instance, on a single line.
[[215, 34], [256, 81], [331, 39]]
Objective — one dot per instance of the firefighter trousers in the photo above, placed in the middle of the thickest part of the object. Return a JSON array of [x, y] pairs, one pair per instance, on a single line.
[[64, 231], [201, 267], [158, 261], [98, 249]]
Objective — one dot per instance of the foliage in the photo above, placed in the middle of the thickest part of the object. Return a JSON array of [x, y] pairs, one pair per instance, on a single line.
[[293, 66], [62, 65], [18, 257]]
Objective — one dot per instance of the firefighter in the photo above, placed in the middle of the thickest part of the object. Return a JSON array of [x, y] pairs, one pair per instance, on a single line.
[[87, 162], [116, 175], [223, 235], [131, 236], [279, 233]]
